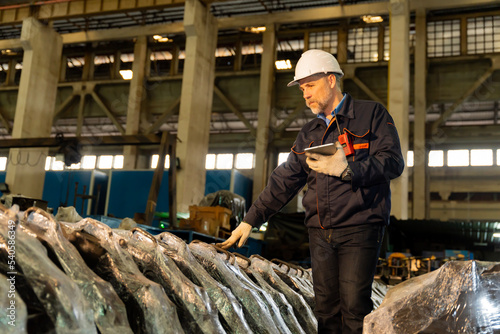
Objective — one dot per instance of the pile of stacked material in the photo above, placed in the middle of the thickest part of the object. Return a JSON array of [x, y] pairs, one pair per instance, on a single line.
[[85, 277], [459, 297]]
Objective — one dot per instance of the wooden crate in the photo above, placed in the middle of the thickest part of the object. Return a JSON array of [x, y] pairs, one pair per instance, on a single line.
[[211, 213]]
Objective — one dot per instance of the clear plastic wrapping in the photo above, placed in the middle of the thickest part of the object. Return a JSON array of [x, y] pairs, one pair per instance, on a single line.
[[460, 297], [196, 311], [110, 315], [303, 311], [13, 313], [232, 313], [265, 297], [285, 309], [256, 311], [294, 282], [148, 308], [50, 293]]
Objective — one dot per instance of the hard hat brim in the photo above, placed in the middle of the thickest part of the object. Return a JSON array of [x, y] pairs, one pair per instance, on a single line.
[[296, 81], [293, 83]]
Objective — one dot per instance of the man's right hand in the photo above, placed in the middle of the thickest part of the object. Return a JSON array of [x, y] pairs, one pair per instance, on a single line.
[[241, 233]]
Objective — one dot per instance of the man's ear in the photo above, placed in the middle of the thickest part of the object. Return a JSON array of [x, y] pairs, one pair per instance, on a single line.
[[332, 80]]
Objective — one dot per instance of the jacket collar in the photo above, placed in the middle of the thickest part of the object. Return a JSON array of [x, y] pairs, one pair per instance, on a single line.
[[347, 109]]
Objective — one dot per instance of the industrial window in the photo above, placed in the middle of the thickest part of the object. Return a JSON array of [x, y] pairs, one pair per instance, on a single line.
[[483, 34], [387, 40], [362, 45], [282, 157], [224, 161], [210, 161], [48, 163], [154, 161], [244, 161], [52, 164], [290, 45], [436, 158], [105, 162], [324, 40], [409, 159], [498, 157], [3, 163], [443, 38], [89, 161], [458, 158], [74, 166], [481, 157], [56, 164], [118, 162]]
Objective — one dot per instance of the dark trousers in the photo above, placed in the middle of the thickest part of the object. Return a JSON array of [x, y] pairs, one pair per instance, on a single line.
[[343, 265]]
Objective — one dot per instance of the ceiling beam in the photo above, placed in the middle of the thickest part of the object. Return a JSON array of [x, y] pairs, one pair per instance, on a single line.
[[76, 8], [163, 117], [448, 112], [443, 4], [235, 110], [84, 140], [122, 33], [312, 14]]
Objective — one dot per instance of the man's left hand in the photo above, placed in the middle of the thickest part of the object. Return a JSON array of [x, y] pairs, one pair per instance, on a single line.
[[333, 165]]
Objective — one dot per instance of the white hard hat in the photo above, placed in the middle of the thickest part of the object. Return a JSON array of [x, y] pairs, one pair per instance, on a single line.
[[313, 62]]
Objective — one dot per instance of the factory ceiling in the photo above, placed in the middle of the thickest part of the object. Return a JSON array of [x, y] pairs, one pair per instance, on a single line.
[[454, 90]]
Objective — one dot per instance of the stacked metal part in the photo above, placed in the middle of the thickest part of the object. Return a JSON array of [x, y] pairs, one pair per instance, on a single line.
[[88, 278]]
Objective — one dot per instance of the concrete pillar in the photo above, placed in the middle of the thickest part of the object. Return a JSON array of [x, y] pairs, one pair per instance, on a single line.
[[399, 95], [35, 106], [266, 90], [420, 203], [196, 103], [137, 94]]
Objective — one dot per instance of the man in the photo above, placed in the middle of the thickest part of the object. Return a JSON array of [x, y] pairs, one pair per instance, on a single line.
[[348, 197]]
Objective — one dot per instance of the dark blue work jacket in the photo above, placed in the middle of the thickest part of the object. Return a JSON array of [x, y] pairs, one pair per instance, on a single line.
[[330, 202]]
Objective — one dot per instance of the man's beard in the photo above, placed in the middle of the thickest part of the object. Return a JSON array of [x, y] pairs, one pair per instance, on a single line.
[[320, 107]]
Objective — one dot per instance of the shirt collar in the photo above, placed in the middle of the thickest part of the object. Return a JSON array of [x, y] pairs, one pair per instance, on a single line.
[[334, 112]]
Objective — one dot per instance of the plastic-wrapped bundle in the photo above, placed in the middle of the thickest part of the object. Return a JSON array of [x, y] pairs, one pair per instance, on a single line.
[[110, 314], [227, 199], [229, 308], [379, 290], [266, 298], [303, 311], [148, 308], [294, 282], [56, 300], [460, 297], [195, 309], [256, 311], [285, 309], [13, 313]]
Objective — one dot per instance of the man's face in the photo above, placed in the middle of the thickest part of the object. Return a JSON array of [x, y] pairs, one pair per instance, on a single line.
[[318, 93]]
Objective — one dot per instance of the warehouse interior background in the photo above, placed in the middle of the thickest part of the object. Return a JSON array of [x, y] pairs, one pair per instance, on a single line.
[[213, 74]]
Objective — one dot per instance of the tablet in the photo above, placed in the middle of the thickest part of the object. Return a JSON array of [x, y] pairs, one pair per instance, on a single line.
[[326, 149]]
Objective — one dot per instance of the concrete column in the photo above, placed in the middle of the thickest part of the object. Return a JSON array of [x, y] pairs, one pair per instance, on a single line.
[[342, 44], [35, 106], [266, 91], [137, 94], [420, 203], [196, 103], [399, 95]]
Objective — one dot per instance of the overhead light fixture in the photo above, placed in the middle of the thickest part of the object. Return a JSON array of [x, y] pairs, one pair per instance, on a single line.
[[126, 74], [283, 64], [372, 19], [161, 39], [9, 52], [255, 30]]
